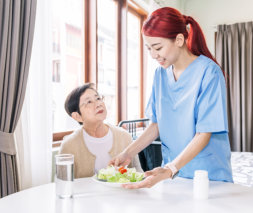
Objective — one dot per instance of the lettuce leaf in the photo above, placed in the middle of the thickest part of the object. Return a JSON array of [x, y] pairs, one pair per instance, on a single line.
[[111, 174]]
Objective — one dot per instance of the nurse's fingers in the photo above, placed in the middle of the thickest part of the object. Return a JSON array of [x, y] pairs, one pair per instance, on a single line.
[[113, 162], [146, 183], [116, 162], [152, 177]]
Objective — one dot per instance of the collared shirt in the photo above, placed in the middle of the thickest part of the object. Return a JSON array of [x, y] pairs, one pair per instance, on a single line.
[[195, 103]]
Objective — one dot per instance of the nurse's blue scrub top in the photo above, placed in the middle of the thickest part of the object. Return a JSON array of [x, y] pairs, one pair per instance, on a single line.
[[196, 102]]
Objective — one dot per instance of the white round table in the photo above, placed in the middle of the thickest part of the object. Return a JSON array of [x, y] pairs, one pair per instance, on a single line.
[[168, 196]]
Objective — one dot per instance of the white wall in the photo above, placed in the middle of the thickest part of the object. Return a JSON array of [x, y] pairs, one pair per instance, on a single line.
[[169, 3], [210, 13]]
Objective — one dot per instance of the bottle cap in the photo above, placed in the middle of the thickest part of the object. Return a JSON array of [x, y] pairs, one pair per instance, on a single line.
[[201, 174]]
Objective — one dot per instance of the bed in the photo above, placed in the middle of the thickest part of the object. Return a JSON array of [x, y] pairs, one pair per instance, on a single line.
[[242, 168]]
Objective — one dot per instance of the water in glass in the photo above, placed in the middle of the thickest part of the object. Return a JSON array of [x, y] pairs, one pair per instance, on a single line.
[[64, 176]]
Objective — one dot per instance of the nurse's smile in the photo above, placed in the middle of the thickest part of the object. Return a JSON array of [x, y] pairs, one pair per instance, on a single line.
[[161, 61]]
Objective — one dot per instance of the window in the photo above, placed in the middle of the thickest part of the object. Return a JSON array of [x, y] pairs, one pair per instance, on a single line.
[[103, 46], [133, 66], [106, 33], [56, 71], [67, 57]]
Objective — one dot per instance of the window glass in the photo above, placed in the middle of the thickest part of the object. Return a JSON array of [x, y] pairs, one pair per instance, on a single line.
[[106, 32], [67, 57], [133, 66]]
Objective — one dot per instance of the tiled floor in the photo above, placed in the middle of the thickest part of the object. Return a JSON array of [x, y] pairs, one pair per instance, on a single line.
[[242, 167]]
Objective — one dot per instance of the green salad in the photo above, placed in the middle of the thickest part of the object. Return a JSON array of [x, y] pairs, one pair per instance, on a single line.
[[119, 175]]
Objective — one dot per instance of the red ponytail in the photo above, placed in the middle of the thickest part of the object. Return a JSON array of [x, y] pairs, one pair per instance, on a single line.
[[168, 22]]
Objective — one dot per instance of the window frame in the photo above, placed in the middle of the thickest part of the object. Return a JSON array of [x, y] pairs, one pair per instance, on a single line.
[[142, 15], [91, 56]]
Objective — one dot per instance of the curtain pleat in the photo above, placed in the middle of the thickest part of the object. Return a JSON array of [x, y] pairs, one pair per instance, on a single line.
[[234, 52], [17, 20], [3, 175], [8, 174]]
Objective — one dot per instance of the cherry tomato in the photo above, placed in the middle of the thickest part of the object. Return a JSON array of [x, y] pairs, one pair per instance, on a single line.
[[120, 168], [122, 171]]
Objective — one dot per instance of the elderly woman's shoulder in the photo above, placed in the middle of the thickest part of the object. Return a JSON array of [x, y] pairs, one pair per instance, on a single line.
[[69, 140]]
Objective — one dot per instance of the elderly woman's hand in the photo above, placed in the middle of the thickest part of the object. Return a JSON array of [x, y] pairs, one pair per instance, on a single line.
[[152, 177], [122, 159]]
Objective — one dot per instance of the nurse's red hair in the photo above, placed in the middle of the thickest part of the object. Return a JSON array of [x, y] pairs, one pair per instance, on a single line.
[[168, 22]]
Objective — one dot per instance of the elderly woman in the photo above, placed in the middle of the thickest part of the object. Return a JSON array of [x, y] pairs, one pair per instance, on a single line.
[[95, 143]]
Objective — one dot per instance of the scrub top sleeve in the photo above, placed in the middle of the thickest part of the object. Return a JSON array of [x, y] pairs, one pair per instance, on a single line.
[[211, 111], [150, 110]]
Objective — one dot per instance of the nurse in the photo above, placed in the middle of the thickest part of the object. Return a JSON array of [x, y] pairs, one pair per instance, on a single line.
[[187, 105]]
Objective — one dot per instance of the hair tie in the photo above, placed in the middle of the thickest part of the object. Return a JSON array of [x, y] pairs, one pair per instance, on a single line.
[[187, 19]]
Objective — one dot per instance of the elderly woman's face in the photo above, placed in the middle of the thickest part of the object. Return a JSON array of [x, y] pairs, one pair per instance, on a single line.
[[92, 106]]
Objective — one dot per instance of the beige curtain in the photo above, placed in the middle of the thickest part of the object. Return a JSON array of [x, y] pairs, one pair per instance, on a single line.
[[234, 52], [17, 18]]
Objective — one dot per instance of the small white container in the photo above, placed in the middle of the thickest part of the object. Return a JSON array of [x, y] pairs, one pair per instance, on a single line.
[[200, 185]]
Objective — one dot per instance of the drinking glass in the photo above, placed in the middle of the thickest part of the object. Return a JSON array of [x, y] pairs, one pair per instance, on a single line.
[[64, 176], [64, 205]]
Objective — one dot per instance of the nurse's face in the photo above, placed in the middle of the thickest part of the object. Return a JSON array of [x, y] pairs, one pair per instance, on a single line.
[[165, 51]]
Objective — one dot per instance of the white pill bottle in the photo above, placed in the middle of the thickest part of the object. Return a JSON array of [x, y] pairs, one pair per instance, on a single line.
[[200, 185]]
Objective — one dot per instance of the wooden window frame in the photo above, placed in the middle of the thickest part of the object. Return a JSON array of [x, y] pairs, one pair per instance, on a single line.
[[142, 15], [91, 56]]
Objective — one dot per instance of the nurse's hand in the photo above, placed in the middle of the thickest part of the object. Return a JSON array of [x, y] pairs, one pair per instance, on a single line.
[[151, 178], [122, 159]]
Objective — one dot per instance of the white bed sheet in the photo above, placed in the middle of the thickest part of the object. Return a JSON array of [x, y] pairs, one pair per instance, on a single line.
[[242, 168]]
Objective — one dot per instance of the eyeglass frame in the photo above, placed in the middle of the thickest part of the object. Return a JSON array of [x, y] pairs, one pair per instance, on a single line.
[[102, 97]]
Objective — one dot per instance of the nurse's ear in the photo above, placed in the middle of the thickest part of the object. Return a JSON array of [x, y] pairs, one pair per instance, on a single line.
[[180, 40]]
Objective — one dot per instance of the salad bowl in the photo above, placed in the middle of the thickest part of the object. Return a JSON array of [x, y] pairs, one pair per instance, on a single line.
[[110, 184], [116, 177]]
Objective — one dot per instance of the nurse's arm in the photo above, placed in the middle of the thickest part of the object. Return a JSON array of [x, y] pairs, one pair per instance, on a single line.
[[124, 158], [146, 138], [199, 141]]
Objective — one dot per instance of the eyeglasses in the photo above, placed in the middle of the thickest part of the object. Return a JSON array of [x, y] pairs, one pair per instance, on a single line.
[[91, 102]]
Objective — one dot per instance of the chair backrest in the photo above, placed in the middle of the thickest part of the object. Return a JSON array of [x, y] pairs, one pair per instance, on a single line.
[[134, 127]]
